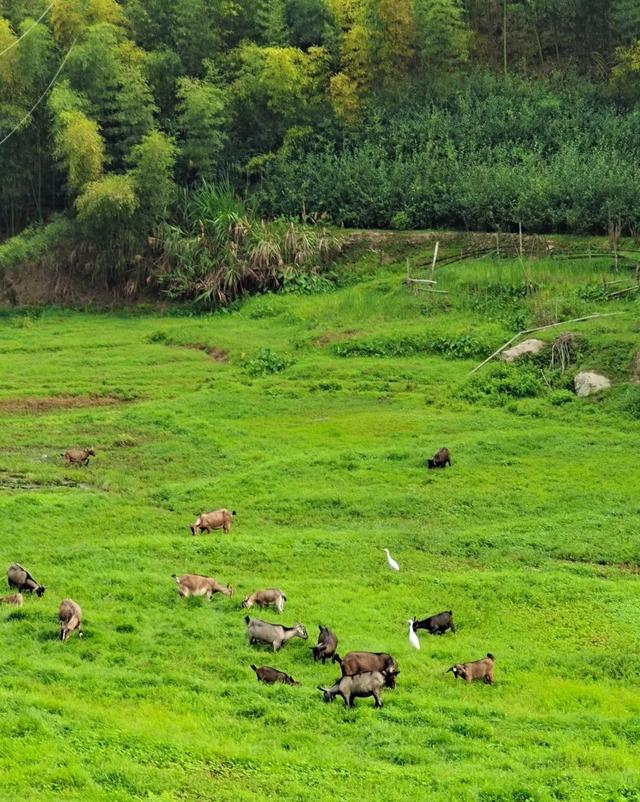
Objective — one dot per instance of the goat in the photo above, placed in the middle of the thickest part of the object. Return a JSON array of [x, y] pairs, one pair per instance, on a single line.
[[436, 624], [217, 519], [440, 459], [78, 456], [70, 617], [362, 662], [263, 598], [326, 646], [20, 579], [196, 585], [270, 675], [15, 598], [350, 687], [275, 634], [478, 669]]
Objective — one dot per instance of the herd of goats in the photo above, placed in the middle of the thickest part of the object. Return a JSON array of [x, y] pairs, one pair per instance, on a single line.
[[363, 674]]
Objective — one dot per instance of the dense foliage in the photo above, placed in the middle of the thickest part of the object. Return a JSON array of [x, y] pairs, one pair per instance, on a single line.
[[403, 113]]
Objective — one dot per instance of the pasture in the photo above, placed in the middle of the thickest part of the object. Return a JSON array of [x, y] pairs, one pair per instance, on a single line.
[[311, 415]]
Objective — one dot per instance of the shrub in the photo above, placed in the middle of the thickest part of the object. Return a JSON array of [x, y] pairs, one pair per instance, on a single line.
[[504, 382], [265, 362]]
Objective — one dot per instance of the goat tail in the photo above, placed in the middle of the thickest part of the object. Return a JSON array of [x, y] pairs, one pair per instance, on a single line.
[[284, 597], [254, 668], [233, 512], [490, 656], [246, 619]]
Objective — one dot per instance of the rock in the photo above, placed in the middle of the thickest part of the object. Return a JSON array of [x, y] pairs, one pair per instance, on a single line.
[[532, 346], [588, 382]]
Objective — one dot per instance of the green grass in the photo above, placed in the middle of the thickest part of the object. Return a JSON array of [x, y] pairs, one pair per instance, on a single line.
[[531, 539]]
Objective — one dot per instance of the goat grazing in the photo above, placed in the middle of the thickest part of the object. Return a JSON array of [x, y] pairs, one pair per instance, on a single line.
[[478, 669], [275, 634], [20, 579], [350, 687], [440, 459], [361, 662], [436, 624], [263, 598], [217, 519], [70, 617], [326, 646], [15, 598], [78, 456], [270, 675], [196, 585]]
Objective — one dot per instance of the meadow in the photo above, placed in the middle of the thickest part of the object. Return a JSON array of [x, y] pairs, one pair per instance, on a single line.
[[311, 414]]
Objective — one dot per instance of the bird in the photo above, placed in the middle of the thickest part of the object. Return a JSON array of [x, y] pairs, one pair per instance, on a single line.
[[391, 562], [413, 638]]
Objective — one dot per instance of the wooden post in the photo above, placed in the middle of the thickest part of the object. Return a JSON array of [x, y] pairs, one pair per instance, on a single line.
[[497, 244], [435, 257], [520, 238]]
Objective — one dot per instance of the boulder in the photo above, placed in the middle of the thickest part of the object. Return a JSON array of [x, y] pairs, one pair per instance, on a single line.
[[587, 382], [532, 346]]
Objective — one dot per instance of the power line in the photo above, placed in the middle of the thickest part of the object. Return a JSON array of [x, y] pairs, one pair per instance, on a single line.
[[40, 18], [41, 98]]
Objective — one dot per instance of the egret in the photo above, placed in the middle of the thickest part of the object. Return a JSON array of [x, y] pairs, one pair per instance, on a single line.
[[391, 562], [413, 638]]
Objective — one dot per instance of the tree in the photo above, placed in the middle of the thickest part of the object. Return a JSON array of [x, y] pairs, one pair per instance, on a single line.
[[201, 119], [106, 207], [272, 20], [391, 26], [79, 147], [442, 35], [153, 161]]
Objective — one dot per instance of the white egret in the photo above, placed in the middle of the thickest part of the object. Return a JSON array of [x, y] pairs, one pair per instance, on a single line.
[[391, 562], [413, 638]]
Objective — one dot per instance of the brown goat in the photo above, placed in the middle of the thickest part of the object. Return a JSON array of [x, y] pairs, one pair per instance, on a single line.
[[70, 617], [326, 646], [440, 459], [15, 598], [478, 669], [360, 662], [270, 675], [196, 585], [20, 579], [78, 456], [217, 519], [263, 598]]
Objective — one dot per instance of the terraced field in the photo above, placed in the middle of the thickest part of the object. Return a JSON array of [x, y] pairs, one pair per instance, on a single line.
[[312, 415]]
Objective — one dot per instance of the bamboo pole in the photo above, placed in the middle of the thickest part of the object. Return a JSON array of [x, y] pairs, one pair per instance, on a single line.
[[540, 328]]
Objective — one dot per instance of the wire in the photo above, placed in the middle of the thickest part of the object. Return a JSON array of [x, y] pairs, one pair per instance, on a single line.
[[40, 18], [41, 98]]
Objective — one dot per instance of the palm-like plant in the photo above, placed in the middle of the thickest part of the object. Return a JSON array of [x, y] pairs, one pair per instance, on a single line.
[[217, 248]]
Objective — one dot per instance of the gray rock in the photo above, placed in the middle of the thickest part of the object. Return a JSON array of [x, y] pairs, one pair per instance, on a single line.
[[532, 346], [587, 382]]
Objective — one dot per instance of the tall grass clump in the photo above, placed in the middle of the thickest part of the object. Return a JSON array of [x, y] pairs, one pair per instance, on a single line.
[[216, 248]]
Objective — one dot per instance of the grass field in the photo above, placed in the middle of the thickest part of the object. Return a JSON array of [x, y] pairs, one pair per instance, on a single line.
[[532, 539]]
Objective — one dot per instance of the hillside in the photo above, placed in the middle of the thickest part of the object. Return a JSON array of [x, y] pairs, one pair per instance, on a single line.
[[311, 414]]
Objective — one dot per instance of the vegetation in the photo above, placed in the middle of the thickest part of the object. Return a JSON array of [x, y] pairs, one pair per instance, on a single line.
[[411, 113], [530, 538]]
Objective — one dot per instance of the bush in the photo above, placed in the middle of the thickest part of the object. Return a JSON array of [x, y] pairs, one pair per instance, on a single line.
[[463, 346], [265, 362], [504, 382]]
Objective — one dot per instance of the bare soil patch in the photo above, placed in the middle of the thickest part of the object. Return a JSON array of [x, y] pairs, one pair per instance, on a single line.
[[326, 339], [35, 405]]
